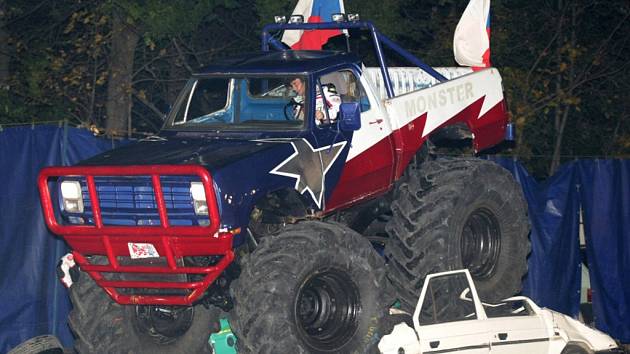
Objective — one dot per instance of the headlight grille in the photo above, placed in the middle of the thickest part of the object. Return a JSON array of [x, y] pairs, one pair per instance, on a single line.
[[131, 201]]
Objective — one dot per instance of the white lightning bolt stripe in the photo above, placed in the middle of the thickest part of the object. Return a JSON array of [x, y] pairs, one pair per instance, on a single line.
[[443, 101]]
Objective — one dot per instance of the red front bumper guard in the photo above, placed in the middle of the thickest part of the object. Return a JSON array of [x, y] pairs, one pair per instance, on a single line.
[[173, 242]]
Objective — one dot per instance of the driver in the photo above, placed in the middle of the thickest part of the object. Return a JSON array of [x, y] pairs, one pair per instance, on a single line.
[[330, 98]]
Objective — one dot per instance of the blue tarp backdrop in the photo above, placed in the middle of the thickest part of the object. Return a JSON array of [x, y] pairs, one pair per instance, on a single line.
[[554, 265], [602, 189], [605, 192], [34, 302]]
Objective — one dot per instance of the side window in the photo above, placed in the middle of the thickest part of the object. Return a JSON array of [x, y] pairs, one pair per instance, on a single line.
[[348, 87], [447, 299]]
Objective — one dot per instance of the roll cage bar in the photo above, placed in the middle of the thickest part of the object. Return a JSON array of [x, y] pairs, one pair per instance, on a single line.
[[377, 38]]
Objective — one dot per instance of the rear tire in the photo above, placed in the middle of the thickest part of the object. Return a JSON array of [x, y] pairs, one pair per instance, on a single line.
[[453, 214], [101, 325], [316, 287]]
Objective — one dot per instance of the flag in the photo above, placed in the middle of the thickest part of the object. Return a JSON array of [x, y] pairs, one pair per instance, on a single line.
[[471, 42], [313, 11]]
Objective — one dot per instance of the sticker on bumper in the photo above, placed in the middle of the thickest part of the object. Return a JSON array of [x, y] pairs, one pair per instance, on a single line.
[[142, 250]]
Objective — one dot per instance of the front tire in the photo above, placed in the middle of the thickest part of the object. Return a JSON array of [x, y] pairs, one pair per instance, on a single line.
[[576, 348], [458, 213], [44, 344], [314, 288], [101, 325]]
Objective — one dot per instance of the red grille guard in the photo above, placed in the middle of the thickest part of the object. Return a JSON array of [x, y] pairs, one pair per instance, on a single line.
[[172, 242]]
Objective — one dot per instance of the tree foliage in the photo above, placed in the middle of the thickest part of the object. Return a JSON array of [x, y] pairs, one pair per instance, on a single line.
[[566, 73], [565, 64], [60, 69]]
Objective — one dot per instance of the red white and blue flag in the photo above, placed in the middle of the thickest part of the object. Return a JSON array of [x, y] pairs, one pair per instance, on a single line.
[[471, 42], [313, 11]]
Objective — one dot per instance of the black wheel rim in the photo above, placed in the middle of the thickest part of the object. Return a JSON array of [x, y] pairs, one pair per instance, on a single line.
[[164, 324], [327, 310], [481, 243]]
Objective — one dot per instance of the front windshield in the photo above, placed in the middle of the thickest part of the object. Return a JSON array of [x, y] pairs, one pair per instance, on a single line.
[[242, 102]]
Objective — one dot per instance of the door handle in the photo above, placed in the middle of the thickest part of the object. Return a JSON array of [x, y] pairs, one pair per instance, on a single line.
[[502, 336], [434, 344], [378, 121]]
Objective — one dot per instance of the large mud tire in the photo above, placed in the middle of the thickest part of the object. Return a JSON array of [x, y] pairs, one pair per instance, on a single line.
[[101, 325], [458, 213], [290, 280], [44, 344]]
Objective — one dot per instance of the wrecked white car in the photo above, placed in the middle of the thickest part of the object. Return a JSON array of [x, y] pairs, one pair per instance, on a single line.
[[450, 317]]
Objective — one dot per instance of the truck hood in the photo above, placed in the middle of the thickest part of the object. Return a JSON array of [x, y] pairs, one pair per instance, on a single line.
[[243, 171], [575, 331], [210, 153]]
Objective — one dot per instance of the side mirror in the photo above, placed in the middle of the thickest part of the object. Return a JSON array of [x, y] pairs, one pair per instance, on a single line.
[[350, 116]]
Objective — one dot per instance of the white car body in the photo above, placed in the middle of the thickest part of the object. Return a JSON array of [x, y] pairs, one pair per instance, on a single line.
[[516, 325]]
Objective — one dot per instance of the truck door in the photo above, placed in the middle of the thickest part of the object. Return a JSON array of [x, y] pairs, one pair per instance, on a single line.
[[368, 168], [449, 317], [515, 327]]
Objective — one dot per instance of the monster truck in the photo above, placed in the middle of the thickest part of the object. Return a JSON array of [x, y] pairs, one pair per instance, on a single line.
[[514, 325], [237, 205]]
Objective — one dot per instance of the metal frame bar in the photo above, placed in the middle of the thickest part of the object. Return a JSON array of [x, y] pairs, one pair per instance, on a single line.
[[377, 38], [112, 241], [154, 171]]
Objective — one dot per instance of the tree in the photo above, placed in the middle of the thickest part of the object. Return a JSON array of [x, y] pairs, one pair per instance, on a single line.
[[157, 19], [124, 38], [566, 69], [554, 66], [90, 61], [4, 48]]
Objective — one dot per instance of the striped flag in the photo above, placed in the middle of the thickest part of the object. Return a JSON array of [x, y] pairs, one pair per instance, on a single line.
[[313, 11], [471, 42]]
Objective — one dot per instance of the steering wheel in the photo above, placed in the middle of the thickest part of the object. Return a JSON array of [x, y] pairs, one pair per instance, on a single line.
[[290, 108]]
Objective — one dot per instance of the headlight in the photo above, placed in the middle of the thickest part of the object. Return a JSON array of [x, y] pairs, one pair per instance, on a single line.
[[296, 19], [353, 17], [72, 197], [338, 17], [199, 198]]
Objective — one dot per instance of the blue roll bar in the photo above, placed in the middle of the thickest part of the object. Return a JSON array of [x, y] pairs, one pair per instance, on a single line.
[[377, 37]]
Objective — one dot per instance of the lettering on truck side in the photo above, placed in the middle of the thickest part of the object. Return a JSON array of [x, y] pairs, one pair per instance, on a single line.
[[432, 100], [444, 101]]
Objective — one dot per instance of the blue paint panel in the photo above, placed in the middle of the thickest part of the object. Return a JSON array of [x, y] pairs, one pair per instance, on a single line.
[[267, 108]]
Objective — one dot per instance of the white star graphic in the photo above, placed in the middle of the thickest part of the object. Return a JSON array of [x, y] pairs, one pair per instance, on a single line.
[[309, 167]]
